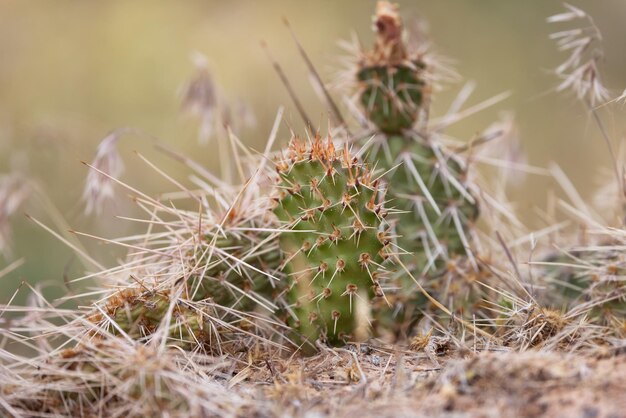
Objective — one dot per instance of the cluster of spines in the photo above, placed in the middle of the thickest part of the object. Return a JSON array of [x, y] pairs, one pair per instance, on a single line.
[[335, 239]]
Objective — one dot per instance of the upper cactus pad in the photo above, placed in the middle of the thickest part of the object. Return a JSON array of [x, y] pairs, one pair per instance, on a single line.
[[390, 79]]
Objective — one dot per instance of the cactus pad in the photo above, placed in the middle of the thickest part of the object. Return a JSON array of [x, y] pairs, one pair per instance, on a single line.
[[334, 239]]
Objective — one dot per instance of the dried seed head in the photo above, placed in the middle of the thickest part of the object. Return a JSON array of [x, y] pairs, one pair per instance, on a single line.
[[14, 190], [200, 93], [107, 166], [580, 71], [200, 99], [543, 324], [419, 342]]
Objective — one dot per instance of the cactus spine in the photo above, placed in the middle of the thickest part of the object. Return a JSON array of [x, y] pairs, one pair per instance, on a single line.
[[334, 239]]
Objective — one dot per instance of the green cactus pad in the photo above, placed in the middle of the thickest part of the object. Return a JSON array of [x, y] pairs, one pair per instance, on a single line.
[[244, 279], [392, 95], [334, 239]]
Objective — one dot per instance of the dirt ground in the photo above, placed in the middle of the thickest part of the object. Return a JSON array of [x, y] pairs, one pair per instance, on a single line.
[[365, 382]]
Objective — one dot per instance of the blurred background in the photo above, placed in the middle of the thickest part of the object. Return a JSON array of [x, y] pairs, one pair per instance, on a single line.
[[71, 71]]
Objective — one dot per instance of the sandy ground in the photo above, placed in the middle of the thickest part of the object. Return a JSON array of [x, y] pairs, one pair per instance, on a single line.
[[363, 382]]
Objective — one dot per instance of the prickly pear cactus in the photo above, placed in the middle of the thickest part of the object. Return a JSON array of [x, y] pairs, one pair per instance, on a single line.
[[230, 278], [428, 185], [138, 314], [240, 273], [590, 281], [334, 240], [426, 182]]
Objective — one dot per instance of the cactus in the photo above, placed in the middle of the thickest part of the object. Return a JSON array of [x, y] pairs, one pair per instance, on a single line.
[[245, 277], [392, 87], [230, 278], [335, 239], [426, 182], [589, 281], [138, 314], [428, 187]]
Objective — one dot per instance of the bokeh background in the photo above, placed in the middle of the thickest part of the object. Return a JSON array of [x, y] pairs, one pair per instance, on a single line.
[[71, 71]]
